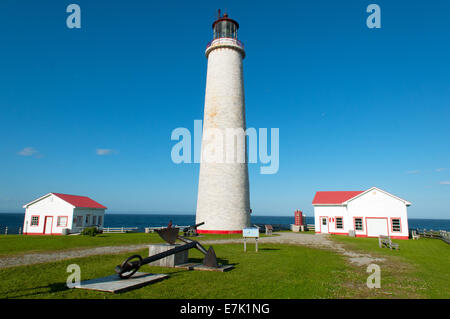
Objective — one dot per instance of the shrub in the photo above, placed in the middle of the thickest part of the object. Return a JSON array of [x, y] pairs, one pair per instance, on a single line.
[[90, 231]]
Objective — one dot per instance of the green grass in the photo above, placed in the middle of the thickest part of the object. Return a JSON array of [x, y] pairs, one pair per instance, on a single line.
[[420, 269], [423, 265], [20, 244], [310, 232], [276, 271]]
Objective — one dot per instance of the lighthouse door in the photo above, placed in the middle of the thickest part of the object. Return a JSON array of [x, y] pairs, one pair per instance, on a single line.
[[48, 225], [324, 225]]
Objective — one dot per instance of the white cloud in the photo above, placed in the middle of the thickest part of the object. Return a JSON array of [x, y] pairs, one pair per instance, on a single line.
[[28, 151], [104, 151], [445, 183], [413, 172], [440, 169]]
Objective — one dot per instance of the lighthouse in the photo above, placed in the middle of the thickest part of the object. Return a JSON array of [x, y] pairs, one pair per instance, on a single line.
[[223, 202]]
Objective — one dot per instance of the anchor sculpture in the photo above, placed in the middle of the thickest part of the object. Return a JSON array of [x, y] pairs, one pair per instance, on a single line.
[[132, 264]]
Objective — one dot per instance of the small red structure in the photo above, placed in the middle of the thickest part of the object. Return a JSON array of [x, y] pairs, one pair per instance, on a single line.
[[298, 218]]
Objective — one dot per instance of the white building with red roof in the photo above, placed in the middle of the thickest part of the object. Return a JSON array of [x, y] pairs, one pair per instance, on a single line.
[[50, 214], [369, 213]]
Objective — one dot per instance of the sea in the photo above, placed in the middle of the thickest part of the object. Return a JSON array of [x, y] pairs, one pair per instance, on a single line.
[[14, 221]]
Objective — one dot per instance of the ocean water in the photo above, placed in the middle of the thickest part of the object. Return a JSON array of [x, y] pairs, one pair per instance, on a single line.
[[15, 220]]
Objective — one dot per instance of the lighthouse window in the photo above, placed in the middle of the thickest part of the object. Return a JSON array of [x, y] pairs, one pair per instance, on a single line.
[[34, 221], [396, 225], [358, 224], [62, 221], [225, 29], [339, 223]]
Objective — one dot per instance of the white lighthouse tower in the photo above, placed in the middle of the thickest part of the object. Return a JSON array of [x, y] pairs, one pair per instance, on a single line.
[[223, 193]]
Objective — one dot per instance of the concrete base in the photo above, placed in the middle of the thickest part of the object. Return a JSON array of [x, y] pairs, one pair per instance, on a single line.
[[187, 266], [194, 266], [220, 268], [170, 261], [114, 284]]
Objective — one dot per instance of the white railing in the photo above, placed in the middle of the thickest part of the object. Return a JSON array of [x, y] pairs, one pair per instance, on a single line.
[[119, 229], [439, 234], [225, 41]]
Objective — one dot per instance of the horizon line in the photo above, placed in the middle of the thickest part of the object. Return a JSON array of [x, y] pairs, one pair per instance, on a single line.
[[125, 212]]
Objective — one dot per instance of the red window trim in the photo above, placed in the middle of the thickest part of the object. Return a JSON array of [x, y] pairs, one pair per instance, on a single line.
[[392, 225], [31, 220], [341, 217], [57, 221], [362, 223]]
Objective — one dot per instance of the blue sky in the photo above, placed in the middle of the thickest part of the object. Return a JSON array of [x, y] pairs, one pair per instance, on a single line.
[[356, 107]]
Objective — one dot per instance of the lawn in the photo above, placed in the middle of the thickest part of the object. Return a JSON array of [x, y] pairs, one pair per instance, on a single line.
[[423, 264], [276, 271], [420, 269], [19, 244]]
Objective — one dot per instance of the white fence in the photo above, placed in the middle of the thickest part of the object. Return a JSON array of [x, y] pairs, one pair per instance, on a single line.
[[120, 230], [5, 230], [440, 234]]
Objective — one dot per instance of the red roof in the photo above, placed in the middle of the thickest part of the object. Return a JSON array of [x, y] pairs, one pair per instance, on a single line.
[[337, 197], [80, 201]]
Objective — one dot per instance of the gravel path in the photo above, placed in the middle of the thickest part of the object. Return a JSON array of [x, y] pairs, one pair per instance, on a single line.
[[310, 240], [37, 258]]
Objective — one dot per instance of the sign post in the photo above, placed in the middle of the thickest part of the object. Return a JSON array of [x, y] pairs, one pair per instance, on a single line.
[[251, 232]]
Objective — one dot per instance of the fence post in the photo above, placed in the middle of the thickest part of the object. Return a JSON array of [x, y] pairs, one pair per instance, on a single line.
[[6, 230], [20, 230]]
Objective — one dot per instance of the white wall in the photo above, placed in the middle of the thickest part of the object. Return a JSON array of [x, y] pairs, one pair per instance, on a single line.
[[377, 204], [223, 202], [49, 206], [91, 212], [330, 212], [372, 205]]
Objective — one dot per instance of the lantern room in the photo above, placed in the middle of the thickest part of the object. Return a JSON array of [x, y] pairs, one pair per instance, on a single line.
[[224, 27]]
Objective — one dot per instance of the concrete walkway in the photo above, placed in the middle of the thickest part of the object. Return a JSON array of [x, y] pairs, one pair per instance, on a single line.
[[310, 240]]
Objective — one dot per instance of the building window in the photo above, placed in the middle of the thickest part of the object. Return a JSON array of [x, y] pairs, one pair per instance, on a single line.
[[62, 221], [86, 222], [94, 220], [79, 221], [34, 221], [99, 220], [396, 225], [358, 224], [339, 223]]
